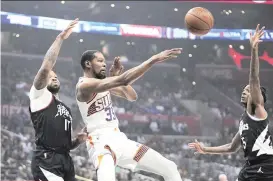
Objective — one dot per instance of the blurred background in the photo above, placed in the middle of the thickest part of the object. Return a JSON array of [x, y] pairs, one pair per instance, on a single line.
[[194, 96]]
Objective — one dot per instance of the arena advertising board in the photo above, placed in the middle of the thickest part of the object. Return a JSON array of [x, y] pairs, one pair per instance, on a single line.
[[128, 29]]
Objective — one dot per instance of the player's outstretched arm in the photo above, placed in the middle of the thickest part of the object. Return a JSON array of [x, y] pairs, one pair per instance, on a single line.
[[126, 92], [254, 81], [224, 149], [50, 58], [91, 85]]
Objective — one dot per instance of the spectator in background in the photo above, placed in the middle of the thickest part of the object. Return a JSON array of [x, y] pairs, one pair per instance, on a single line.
[[223, 177]]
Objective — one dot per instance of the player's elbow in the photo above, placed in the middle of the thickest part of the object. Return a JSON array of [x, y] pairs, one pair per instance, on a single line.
[[132, 98], [232, 148], [124, 79]]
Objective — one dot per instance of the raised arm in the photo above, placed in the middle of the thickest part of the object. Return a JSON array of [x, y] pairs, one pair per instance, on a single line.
[[91, 85], [223, 149], [126, 92], [41, 78], [254, 81]]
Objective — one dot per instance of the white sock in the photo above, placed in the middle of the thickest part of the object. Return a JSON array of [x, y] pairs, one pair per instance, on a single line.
[[154, 162], [106, 169]]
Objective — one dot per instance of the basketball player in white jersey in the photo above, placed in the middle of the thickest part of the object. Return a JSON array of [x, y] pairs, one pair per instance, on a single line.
[[107, 146]]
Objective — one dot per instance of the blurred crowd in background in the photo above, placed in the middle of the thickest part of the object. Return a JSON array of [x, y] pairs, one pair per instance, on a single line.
[[195, 96]]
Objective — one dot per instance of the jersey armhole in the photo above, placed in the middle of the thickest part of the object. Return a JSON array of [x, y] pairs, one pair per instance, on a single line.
[[255, 118]]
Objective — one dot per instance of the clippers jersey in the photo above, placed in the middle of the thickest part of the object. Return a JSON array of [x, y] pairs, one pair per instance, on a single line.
[[53, 126], [256, 140], [98, 113]]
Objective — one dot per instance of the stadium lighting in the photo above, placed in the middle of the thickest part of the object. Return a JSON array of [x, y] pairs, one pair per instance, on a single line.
[[62, 2], [127, 7], [175, 9], [112, 5]]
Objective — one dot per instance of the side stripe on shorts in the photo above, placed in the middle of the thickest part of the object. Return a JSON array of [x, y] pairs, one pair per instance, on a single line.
[[141, 152]]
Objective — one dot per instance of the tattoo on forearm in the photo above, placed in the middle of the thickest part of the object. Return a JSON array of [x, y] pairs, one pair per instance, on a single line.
[[53, 52], [254, 65], [50, 58]]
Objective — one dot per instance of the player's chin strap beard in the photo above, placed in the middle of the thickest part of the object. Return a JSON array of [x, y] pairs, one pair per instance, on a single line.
[[53, 90]]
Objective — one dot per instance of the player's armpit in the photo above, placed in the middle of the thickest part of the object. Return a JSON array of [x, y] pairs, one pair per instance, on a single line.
[[126, 92]]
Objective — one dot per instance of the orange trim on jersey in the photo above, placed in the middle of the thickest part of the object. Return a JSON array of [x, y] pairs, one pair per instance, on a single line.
[[140, 152], [116, 129], [112, 153], [94, 95], [90, 140], [100, 158]]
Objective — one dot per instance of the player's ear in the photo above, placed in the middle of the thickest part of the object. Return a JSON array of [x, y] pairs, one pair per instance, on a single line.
[[87, 64]]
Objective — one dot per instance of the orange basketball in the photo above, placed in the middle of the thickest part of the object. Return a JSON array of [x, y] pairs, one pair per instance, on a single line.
[[199, 21]]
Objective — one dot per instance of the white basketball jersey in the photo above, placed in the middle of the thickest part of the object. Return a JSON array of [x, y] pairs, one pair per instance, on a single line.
[[98, 112]]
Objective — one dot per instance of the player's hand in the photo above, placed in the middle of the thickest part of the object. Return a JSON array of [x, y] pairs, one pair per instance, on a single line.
[[83, 135], [198, 147], [167, 54], [69, 29], [116, 69], [255, 39]]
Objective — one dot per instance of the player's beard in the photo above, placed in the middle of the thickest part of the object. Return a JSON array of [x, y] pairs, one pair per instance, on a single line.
[[99, 75], [53, 89]]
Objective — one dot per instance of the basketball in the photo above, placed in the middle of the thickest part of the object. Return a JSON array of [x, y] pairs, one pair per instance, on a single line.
[[199, 21]]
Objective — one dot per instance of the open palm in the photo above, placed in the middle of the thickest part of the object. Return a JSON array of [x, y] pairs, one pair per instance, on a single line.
[[116, 69], [69, 29], [255, 39], [197, 146]]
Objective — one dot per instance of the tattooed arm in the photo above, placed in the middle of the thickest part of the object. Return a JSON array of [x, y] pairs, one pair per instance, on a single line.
[[41, 78], [256, 96], [254, 81]]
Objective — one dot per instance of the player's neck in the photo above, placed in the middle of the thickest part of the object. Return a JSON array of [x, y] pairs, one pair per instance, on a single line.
[[88, 74], [56, 96]]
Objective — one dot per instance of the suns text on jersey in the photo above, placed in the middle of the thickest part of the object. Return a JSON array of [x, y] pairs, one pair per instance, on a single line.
[[100, 104]]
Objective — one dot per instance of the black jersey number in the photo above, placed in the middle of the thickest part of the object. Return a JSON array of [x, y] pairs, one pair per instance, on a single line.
[[67, 125], [110, 114]]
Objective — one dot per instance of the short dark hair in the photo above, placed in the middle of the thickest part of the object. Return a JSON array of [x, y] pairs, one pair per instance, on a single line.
[[88, 55], [263, 90]]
